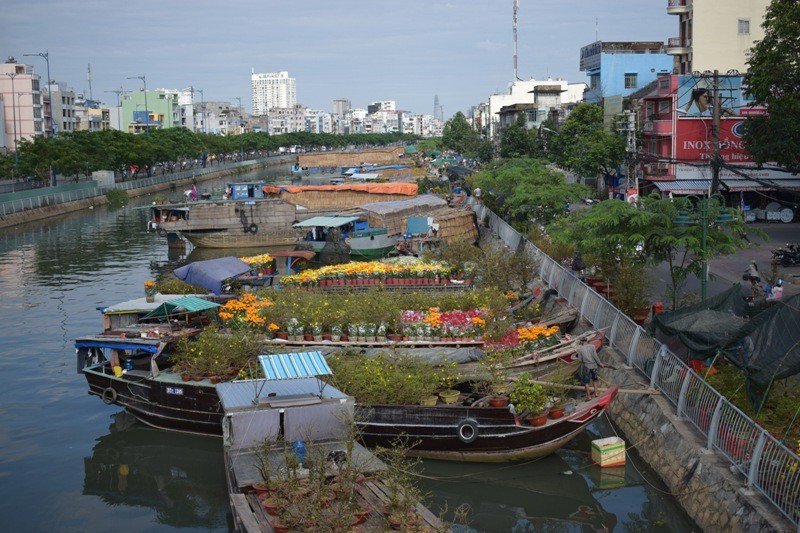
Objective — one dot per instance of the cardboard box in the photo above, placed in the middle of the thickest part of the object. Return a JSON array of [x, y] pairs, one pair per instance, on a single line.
[[608, 452]]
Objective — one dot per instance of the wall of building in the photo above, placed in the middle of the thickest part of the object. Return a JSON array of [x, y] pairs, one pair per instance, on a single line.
[[614, 67], [716, 43]]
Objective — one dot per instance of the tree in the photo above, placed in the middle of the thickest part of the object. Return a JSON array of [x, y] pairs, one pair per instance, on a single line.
[[615, 233], [582, 144], [516, 140], [524, 189], [773, 79], [459, 136]]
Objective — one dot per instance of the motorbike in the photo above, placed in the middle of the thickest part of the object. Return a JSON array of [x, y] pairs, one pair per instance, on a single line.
[[788, 256]]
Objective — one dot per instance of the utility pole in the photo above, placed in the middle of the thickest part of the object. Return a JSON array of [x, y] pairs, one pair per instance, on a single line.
[[118, 92], [715, 157]]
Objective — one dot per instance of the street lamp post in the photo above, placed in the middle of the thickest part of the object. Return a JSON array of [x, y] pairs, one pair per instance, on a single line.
[[46, 56], [146, 111], [203, 105], [13, 75], [241, 124], [724, 217]]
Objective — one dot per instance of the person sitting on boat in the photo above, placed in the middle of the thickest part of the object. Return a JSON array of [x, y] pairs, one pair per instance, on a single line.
[[777, 291], [587, 355]]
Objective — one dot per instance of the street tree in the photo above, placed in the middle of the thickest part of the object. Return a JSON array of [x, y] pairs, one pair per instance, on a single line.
[[773, 79], [523, 190], [516, 140], [583, 145], [459, 136]]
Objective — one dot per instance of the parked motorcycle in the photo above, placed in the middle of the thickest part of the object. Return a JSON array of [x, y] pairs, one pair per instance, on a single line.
[[788, 256]]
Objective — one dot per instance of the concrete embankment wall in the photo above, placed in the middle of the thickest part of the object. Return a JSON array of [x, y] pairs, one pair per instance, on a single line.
[[30, 215], [700, 480]]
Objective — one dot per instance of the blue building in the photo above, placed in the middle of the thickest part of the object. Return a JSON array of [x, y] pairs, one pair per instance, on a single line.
[[622, 68]]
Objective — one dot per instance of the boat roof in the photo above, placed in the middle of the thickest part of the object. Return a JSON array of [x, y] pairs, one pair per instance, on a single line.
[[187, 304], [139, 304], [281, 366], [383, 208], [365, 177], [211, 273], [328, 221]]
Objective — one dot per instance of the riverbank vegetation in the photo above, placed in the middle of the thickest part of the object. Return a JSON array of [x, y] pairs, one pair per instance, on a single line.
[[80, 152]]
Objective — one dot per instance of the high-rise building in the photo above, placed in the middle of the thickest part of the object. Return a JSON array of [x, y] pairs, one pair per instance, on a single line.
[[21, 114], [341, 106], [272, 89], [715, 34], [438, 112]]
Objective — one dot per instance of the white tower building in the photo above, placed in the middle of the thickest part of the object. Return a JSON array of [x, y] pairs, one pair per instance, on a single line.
[[272, 89]]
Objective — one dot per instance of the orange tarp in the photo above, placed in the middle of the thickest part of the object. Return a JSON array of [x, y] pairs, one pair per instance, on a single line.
[[407, 189]]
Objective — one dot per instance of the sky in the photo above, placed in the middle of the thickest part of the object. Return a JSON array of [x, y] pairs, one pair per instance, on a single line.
[[363, 50]]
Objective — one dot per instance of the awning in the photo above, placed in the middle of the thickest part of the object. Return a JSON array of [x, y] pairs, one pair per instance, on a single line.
[[151, 348], [326, 222], [187, 304], [211, 273], [683, 186], [294, 365]]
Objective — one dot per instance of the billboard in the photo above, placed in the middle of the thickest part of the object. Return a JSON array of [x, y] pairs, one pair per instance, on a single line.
[[694, 140], [696, 97], [590, 56]]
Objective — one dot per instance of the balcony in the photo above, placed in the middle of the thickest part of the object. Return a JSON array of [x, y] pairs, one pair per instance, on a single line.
[[658, 172], [678, 46], [658, 127], [678, 7]]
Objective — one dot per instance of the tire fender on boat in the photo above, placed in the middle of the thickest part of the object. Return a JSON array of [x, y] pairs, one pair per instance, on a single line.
[[109, 395], [161, 232], [252, 228], [467, 430]]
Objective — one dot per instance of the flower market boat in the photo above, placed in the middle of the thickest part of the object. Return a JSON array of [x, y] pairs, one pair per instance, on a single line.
[[254, 214], [463, 432]]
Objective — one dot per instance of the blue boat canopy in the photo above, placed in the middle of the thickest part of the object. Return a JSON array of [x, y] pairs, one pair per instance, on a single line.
[[211, 273], [187, 304], [294, 365], [150, 348]]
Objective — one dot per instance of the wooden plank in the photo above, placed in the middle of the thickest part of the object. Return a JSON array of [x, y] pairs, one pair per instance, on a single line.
[[244, 513]]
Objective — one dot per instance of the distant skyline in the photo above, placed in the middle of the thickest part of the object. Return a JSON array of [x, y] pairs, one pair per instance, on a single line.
[[406, 51]]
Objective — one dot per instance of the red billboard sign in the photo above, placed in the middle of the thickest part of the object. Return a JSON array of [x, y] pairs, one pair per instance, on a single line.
[[694, 140]]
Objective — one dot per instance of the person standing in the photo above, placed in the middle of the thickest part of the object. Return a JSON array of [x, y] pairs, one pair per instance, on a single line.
[[587, 355]]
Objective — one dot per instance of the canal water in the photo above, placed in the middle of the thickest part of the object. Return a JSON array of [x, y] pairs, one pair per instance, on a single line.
[[68, 462]]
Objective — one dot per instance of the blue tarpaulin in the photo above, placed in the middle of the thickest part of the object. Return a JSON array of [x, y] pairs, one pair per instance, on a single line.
[[211, 273], [294, 365], [152, 348]]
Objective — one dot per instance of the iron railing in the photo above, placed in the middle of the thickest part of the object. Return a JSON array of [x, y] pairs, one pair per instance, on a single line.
[[44, 200], [767, 464]]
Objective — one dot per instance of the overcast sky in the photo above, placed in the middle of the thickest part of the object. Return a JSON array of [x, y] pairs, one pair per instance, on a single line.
[[363, 50]]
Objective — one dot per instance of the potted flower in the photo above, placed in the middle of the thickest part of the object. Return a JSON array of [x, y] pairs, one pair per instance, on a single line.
[[361, 332], [150, 291], [381, 332], [336, 333], [316, 331], [531, 397], [295, 330], [370, 330]]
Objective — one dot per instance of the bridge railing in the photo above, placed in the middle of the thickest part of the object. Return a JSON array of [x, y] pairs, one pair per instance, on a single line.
[[767, 464]]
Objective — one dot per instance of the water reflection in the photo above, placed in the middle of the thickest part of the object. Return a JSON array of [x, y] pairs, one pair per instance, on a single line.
[[534, 496], [180, 477]]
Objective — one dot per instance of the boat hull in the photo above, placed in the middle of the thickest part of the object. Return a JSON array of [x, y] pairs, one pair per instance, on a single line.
[[237, 238], [434, 432], [164, 402]]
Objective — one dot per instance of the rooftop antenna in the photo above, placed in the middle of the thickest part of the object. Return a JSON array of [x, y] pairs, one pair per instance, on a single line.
[[89, 77], [516, 8], [596, 29]]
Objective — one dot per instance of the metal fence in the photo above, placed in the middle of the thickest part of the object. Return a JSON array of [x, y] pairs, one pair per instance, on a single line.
[[45, 200], [766, 463]]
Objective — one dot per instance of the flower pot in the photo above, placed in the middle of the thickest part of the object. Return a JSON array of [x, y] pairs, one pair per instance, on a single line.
[[307, 337], [344, 338], [361, 339], [333, 338], [270, 506], [429, 401], [371, 339], [186, 377], [557, 412], [449, 396], [260, 488], [316, 338], [197, 378], [394, 337], [282, 335], [214, 379], [538, 420], [498, 401]]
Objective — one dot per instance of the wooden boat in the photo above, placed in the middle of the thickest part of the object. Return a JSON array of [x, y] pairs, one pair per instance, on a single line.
[[247, 216], [349, 232], [476, 434], [147, 388]]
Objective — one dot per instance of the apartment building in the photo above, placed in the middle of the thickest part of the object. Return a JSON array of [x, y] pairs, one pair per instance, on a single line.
[[271, 90]]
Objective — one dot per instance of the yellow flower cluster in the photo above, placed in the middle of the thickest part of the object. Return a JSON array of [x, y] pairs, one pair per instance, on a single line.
[[149, 284], [434, 318], [258, 262], [535, 333], [366, 270], [244, 311]]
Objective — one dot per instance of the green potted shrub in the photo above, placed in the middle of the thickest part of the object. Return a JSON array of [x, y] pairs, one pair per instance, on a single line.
[[531, 397]]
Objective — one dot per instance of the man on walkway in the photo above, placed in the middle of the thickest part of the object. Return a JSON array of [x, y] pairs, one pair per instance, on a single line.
[[587, 355]]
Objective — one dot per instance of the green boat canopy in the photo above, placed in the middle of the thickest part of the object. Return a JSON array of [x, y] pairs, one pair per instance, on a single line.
[[187, 304]]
